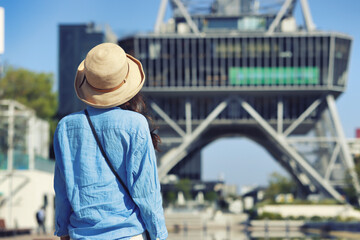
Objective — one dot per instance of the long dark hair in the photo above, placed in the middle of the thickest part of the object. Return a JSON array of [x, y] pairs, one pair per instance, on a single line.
[[137, 104]]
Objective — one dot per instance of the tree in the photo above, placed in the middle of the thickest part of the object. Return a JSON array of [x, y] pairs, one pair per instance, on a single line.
[[184, 185], [279, 184], [170, 197], [34, 90], [349, 190], [211, 196]]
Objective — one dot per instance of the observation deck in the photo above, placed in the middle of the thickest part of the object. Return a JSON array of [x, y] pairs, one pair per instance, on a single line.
[[243, 63], [234, 69], [296, 67]]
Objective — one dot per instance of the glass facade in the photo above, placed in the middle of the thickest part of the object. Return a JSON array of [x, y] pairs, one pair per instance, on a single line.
[[23, 137], [281, 64], [3, 140], [341, 59], [74, 43], [211, 61]]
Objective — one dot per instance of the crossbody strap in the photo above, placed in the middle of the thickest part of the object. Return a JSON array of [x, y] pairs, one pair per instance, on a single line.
[[104, 154], [110, 165]]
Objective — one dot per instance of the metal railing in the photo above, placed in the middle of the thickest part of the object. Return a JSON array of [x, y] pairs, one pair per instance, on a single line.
[[250, 61]]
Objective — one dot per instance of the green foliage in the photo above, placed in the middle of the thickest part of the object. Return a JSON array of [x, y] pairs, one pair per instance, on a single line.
[[276, 216], [211, 196], [279, 184], [350, 190], [325, 201], [34, 90], [184, 185], [232, 196], [297, 218], [270, 216], [170, 197], [316, 219]]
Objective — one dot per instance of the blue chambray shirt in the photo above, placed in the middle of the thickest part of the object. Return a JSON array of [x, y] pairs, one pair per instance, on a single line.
[[90, 202]]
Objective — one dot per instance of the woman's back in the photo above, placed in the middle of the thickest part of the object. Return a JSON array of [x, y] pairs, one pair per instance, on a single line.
[[101, 208]]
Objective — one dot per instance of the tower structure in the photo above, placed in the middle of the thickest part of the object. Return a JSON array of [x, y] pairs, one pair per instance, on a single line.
[[238, 68]]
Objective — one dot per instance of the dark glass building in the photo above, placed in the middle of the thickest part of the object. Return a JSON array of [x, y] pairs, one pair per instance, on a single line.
[[74, 43]]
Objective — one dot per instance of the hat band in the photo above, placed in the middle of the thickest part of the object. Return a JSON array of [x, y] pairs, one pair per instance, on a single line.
[[109, 89]]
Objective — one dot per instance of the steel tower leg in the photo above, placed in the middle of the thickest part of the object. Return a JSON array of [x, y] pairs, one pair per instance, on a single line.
[[187, 16], [280, 15], [323, 148], [171, 158], [331, 163], [291, 152], [310, 26], [302, 117], [160, 16], [167, 119], [321, 171], [343, 144]]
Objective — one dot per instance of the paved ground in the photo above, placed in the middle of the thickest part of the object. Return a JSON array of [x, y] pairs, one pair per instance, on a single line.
[[31, 237]]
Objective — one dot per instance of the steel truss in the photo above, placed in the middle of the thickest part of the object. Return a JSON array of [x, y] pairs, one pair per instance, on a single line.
[[310, 143], [323, 169], [287, 6]]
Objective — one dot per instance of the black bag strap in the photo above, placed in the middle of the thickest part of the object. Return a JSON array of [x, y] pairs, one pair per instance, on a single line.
[[104, 154], [110, 165]]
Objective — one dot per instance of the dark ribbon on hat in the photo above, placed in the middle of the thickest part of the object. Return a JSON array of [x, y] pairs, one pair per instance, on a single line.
[[109, 89]]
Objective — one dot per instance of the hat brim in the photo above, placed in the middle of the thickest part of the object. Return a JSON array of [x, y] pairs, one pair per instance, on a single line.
[[128, 90]]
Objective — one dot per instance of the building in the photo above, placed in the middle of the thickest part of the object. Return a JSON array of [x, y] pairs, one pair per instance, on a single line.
[[75, 41], [26, 173], [241, 68]]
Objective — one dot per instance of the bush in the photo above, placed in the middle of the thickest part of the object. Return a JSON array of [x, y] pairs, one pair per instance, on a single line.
[[170, 197], [184, 185], [211, 196], [316, 219], [270, 216]]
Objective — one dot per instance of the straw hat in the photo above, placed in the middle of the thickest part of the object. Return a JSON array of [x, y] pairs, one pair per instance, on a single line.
[[108, 76]]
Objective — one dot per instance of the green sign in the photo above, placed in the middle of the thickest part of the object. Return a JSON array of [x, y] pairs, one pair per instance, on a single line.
[[273, 75]]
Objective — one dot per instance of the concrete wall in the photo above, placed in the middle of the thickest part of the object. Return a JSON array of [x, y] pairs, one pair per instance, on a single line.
[[311, 210], [29, 188]]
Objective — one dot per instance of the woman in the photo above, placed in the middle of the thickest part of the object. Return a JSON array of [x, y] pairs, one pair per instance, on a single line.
[[90, 201]]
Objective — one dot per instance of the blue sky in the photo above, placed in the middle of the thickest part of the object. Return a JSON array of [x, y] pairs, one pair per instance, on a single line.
[[31, 41]]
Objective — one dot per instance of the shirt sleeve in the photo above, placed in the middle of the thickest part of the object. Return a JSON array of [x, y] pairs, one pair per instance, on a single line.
[[145, 187], [63, 207]]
